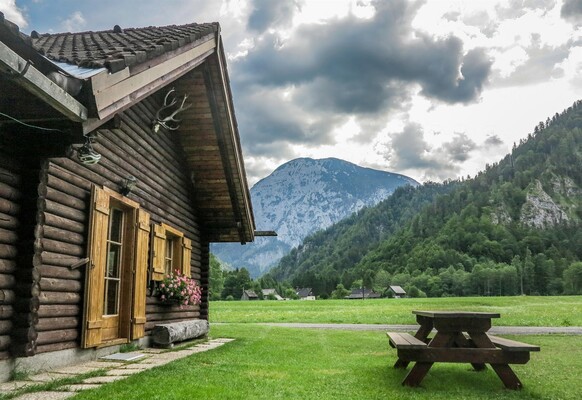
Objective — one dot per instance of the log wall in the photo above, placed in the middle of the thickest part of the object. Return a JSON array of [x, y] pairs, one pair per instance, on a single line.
[[163, 190], [10, 196]]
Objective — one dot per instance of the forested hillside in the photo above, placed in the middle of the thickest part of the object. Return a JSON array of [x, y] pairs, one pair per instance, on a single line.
[[327, 257], [513, 229]]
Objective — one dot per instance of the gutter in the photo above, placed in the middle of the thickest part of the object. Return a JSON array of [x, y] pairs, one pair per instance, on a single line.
[[23, 72]]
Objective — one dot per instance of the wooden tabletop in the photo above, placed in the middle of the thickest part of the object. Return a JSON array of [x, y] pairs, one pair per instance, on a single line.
[[456, 314]]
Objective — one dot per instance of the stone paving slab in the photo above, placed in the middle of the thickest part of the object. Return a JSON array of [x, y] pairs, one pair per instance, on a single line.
[[45, 396], [116, 370], [153, 350], [164, 357], [140, 367], [103, 364], [104, 379], [75, 370], [15, 385], [122, 372], [80, 387], [48, 377]]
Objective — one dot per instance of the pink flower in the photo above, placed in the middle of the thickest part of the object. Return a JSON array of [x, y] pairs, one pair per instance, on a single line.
[[181, 288]]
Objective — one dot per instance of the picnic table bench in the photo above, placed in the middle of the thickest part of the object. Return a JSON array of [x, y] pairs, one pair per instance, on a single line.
[[461, 337]]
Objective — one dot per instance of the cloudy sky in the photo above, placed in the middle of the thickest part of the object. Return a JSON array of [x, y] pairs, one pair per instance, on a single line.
[[430, 89]]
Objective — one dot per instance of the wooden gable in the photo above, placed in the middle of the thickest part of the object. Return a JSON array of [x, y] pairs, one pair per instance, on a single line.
[[148, 62]]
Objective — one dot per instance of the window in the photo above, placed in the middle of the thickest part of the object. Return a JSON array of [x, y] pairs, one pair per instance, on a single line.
[[115, 241], [116, 275], [173, 261], [169, 260], [171, 252]]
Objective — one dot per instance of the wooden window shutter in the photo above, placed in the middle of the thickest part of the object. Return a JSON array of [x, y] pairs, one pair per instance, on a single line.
[[186, 256], [159, 248], [95, 270], [138, 318]]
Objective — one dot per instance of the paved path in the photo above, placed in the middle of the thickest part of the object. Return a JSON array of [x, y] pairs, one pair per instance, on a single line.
[[498, 330], [113, 371]]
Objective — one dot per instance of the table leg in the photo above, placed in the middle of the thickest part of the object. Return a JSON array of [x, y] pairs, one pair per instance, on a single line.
[[422, 333], [417, 374], [420, 369], [401, 364], [507, 376], [463, 342], [426, 325], [503, 371]]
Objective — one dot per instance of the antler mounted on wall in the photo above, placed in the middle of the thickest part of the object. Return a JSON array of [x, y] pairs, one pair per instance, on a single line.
[[169, 121]]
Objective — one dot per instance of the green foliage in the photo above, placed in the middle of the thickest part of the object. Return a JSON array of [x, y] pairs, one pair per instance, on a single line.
[[573, 278], [235, 282], [328, 257], [465, 237], [217, 276], [340, 292]]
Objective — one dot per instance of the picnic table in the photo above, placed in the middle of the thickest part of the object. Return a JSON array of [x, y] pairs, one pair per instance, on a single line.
[[461, 337]]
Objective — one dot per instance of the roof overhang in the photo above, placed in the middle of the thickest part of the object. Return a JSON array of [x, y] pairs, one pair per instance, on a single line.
[[210, 139], [116, 92], [208, 131], [27, 76]]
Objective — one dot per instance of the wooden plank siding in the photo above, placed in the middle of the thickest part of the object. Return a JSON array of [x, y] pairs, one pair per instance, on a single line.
[[157, 161]]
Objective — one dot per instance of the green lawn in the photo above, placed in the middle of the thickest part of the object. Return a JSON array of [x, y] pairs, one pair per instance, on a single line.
[[515, 311], [286, 363], [266, 362]]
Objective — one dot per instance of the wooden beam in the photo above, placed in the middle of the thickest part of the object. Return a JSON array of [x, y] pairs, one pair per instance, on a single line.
[[38, 84], [265, 233], [112, 99]]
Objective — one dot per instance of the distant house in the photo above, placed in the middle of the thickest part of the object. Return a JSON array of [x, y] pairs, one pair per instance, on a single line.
[[305, 294], [269, 292], [363, 294], [397, 291], [249, 295]]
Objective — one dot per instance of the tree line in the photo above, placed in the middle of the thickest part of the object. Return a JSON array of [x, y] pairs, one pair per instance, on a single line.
[[464, 237]]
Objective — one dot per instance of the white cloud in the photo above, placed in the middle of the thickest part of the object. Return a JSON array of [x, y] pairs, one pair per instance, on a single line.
[[337, 78], [13, 13], [76, 22]]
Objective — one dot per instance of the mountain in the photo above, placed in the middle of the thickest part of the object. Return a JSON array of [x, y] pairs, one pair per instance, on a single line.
[[516, 228], [324, 257], [303, 196]]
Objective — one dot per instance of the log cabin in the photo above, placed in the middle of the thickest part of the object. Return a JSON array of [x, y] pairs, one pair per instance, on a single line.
[[120, 161]]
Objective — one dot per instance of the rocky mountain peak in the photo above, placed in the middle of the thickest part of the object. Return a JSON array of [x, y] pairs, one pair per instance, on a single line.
[[302, 196]]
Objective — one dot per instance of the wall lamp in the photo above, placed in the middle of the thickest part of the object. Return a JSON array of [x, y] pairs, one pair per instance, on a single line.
[[127, 185], [86, 154]]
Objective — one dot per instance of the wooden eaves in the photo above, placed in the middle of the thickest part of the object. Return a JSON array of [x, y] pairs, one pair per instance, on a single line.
[[222, 195], [37, 83], [116, 92]]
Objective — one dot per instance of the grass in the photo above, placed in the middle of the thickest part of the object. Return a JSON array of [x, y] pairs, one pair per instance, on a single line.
[[515, 311], [284, 363], [267, 362]]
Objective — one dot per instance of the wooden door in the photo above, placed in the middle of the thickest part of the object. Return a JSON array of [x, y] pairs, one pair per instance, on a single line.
[[114, 302]]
